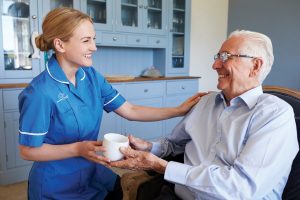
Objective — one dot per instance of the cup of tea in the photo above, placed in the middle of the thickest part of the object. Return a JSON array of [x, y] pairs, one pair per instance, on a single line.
[[112, 143]]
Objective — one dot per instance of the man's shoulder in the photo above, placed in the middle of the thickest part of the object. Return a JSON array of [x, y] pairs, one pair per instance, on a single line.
[[273, 103]]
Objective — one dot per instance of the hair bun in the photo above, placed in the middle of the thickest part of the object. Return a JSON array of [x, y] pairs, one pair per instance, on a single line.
[[41, 43]]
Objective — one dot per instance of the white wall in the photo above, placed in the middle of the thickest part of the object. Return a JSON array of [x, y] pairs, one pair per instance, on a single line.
[[208, 31]]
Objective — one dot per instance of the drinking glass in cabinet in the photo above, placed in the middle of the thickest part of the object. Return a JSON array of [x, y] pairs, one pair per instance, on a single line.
[[97, 11], [155, 4], [177, 62], [129, 15], [16, 35], [61, 3]]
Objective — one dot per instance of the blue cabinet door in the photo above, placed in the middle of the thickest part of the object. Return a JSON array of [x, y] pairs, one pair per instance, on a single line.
[[101, 11], [145, 130], [18, 24], [11, 137], [179, 32], [141, 16]]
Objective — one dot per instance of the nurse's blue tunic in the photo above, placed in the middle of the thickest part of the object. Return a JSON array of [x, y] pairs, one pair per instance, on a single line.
[[53, 111]]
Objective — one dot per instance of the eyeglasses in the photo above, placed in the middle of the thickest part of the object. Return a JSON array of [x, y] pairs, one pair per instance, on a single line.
[[224, 56]]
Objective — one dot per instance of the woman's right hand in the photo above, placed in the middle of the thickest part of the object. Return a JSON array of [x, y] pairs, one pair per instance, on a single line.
[[139, 144], [88, 149]]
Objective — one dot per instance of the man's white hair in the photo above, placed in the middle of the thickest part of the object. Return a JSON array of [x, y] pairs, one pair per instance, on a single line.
[[258, 45]]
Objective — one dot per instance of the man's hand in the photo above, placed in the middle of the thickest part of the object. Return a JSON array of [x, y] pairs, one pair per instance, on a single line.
[[189, 103], [140, 160], [139, 144], [88, 149]]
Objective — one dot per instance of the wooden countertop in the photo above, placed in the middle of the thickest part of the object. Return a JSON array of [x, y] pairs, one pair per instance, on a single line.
[[135, 79]]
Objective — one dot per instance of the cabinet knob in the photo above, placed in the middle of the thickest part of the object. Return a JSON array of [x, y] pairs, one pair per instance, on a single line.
[[138, 40], [182, 87], [146, 90], [33, 16], [114, 38], [157, 41]]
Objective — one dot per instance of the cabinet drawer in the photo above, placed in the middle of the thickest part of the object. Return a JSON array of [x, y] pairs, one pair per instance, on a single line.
[[144, 90], [179, 87], [10, 99], [158, 42], [113, 39], [137, 40]]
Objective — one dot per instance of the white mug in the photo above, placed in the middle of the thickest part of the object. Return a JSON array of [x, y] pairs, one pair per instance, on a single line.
[[112, 143]]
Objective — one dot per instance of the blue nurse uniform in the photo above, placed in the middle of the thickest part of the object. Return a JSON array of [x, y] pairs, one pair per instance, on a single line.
[[53, 111]]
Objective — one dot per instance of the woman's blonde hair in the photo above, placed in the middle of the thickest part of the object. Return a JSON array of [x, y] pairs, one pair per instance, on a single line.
[[59, 23]]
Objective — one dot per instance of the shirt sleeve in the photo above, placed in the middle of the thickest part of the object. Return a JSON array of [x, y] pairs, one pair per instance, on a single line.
[[248, 177], [34, 121], [173, 144], [111, 98]]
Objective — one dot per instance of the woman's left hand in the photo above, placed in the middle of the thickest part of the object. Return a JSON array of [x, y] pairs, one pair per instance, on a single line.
[[189, 103]]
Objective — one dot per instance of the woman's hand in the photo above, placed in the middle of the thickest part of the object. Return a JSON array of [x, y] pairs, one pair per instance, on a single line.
[[140, 160], [139, 144], [88, 149], [189, 103]]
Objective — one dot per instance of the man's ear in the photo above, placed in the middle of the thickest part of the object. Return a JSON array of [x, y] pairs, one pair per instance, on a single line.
[[58, 45], [258, 62]]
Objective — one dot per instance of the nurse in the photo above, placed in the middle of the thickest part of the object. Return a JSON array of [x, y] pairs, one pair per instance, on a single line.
[[61, 111]]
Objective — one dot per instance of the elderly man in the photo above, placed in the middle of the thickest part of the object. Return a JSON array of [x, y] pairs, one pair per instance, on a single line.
[[238, 143]]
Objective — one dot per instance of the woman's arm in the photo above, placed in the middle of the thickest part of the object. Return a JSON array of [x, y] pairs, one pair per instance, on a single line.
[[143, 113], [48, 152]]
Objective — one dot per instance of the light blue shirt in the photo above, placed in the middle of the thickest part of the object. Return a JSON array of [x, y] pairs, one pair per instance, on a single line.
[[241, 151]]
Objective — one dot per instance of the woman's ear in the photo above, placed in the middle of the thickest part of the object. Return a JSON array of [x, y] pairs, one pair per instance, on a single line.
[[258, 62], [58, 45]]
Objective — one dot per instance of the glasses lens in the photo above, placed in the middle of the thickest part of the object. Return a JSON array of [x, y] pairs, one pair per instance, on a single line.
[[217, 56], [224, 56]]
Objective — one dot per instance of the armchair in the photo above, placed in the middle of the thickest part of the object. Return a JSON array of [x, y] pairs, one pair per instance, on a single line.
[[292, 188]]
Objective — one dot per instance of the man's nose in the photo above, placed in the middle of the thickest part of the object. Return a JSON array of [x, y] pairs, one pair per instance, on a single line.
[[217, 64]]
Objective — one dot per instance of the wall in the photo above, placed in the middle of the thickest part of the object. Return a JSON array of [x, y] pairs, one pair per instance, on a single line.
[[208, 31], [280, 21]]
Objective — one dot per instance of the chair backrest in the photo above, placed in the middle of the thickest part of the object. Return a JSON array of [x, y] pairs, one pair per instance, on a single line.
[[292, 188]]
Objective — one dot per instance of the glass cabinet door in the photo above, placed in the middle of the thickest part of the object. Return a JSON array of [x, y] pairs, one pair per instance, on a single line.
[[17, 20], [129, 15], [155, 16], [101, 13], [178, 36], [147, 16]]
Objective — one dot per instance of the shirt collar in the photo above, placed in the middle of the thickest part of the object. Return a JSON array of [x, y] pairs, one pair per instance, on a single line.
[[250, 97], [55, 71]]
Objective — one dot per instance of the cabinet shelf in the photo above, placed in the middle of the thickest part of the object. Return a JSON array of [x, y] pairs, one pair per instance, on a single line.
[[129, 5]]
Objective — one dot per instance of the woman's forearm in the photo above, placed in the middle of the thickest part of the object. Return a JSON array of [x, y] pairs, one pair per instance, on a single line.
[[48, 152]]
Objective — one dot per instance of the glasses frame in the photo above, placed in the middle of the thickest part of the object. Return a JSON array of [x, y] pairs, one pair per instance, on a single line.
[[224, 56]]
